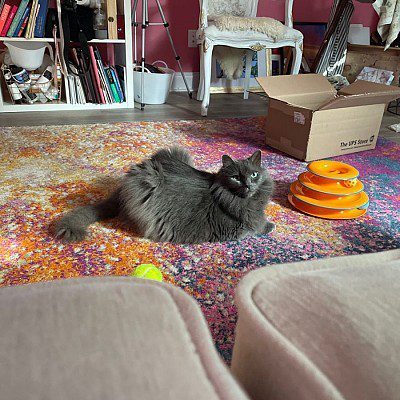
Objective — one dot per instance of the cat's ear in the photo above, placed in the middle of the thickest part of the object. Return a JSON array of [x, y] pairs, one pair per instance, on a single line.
[[255, 158], [227, 161]]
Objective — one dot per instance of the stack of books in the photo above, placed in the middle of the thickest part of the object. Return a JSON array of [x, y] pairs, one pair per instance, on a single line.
[[23, 18], [102, 84]]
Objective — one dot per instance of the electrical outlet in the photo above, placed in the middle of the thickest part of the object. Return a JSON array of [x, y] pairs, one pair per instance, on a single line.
[[192, 39]]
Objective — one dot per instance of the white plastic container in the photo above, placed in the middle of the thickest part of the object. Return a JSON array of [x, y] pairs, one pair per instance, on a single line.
[[28, 55], [156, 86]]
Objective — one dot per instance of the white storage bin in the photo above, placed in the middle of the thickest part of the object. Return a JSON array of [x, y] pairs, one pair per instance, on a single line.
[[28, 55], [156, 86]]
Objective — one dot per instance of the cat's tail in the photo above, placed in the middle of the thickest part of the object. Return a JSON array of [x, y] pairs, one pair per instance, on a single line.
[[72, 227], [173, 153]]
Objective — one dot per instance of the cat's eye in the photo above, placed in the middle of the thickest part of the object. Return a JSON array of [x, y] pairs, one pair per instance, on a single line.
[[254, 175], [235, 178]]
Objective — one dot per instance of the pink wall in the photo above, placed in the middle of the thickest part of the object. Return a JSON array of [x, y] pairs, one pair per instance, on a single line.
[[183, 15]]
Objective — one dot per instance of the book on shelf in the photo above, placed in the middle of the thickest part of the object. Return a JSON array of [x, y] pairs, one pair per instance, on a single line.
[[5, 10], [113, 85], [5, 7], [9, 20], [77, 95], [90, 78], [106, 84], [31, 20], [79, 90], [28, 15], [41, 19], [17, 17], [100, 83], [32, 27], [23, 26], [96, 76], [121, 73], [25, 15], [71, 89], [29, 23], [83, 77], [118, 84]]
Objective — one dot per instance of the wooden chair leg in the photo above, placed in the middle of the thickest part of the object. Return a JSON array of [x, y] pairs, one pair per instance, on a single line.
[[249, 59], [297, 57], [207, 64], [200, 90], [288, 60]]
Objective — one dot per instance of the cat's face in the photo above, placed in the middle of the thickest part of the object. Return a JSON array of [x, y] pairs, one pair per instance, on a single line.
[[242, 177]]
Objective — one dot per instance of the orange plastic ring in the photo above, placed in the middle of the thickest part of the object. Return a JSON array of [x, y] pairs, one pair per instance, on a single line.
[[333, 170], [329, 186], [331, 201], [325, 213]]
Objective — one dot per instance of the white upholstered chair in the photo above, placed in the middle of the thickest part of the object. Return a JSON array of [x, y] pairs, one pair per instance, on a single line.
[[209, 36]]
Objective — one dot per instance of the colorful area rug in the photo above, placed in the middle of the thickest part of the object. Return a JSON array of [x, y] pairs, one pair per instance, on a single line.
[[45, 171]]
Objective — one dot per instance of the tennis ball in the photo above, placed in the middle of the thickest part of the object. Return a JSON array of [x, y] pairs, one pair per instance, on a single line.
[[148, 271]]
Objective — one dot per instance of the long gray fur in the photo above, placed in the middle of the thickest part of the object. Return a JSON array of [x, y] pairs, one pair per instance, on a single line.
[[166, 199]]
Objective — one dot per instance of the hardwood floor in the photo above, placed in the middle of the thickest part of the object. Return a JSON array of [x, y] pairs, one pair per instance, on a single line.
[[390, 119], [179, 106]]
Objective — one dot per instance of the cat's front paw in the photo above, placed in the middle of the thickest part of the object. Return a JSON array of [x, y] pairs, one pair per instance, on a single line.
[[268, 228], [69, 234]]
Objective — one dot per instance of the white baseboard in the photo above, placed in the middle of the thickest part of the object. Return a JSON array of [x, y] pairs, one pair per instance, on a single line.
[[192, 78]]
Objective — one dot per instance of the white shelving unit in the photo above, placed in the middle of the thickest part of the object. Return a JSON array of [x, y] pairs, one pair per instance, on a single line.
[[123, 56], [51, 40]]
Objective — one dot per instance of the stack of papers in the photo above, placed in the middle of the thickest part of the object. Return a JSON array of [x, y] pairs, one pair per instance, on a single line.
[[376, 75]]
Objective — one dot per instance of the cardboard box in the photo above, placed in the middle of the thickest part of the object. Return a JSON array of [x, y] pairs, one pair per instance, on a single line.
[[309, 120]]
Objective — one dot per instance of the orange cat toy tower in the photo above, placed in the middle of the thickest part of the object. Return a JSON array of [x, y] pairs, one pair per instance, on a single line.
[[329, 189]]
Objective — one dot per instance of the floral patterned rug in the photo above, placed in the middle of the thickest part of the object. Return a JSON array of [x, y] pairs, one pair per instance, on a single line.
[[47, 170]]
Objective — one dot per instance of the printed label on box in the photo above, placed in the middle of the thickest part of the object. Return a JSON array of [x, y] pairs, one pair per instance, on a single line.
[[357, 143], [299, 118]]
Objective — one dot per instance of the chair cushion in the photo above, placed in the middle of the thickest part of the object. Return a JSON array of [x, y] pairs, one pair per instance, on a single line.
[[107, 338], [284, 33], [327, 329]]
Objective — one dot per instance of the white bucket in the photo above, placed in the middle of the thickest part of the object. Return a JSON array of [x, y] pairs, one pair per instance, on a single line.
[[156, 86], [28, 55]]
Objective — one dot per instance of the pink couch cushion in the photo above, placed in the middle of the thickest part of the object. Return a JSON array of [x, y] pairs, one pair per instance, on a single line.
[[327, 329], [108, 338]]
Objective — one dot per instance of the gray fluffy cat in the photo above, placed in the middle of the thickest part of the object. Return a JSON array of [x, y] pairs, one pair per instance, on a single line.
[[166, 199]]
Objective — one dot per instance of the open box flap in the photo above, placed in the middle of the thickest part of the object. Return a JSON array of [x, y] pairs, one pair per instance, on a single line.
[[366, 87], [289, 105], [362, 93], [284, 87]]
